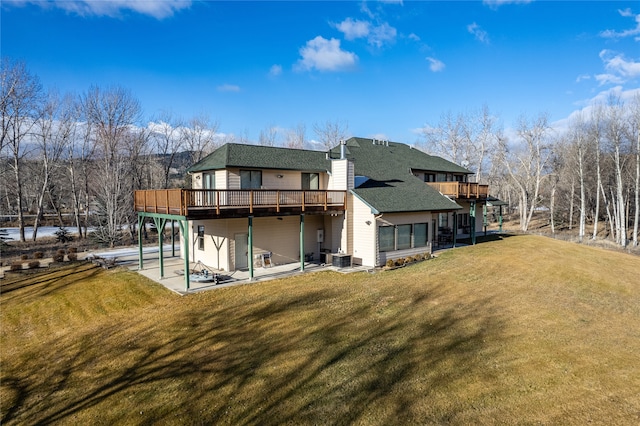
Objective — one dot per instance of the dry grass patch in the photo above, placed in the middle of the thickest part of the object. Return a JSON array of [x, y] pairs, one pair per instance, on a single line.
[[523, 330]]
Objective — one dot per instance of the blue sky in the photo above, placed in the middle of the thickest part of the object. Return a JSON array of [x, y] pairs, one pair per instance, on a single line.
[[386, 68]]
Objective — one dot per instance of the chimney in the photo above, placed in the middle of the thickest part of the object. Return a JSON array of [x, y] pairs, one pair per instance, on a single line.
[[343, 149]]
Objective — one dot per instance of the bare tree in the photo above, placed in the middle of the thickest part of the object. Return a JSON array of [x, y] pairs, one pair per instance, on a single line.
[[268, 136], [296, 137], [53, 131], [526, 163], [447, 138], [464, 139], [330, 133], [634, 135], [111, 114], [20, 100], [615, 135], [198, 137], [167, 142]]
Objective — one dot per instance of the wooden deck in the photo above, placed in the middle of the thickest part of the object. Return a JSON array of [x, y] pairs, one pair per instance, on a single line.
[[467, 190], [214, 203]]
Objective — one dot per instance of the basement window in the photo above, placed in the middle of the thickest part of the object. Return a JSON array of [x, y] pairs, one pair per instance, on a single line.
[[200, 237]]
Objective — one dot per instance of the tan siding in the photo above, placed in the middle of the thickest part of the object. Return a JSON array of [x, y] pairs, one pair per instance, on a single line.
[[221, 179], [233, 179], [196, 180], [364, 243], [339, 172], [289, 179]]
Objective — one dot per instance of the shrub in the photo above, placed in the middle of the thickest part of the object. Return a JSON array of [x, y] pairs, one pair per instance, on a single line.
[[72, 250], [63, 235], [24, 256], [72, 256], [38, 255], [399, 262], [34, 264], [61, 251], [408, 259], [58, 257], [16, 266], [417, 257], [390, 263], [426, 256]]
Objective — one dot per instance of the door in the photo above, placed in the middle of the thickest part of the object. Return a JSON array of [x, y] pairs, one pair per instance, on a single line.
[[242, 251]]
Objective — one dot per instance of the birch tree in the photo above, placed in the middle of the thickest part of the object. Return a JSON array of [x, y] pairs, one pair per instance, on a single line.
[[53, 131], [111, 114], [20, 98], [525, 163]]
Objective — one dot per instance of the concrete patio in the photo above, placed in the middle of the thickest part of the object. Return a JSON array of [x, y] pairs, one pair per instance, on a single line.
[[174, 266]]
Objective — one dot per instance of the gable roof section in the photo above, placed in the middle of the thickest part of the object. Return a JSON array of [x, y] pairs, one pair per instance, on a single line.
[[391, 186], [262, 157]]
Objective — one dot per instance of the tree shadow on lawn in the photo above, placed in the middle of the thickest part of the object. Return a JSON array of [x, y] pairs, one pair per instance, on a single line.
[[304, 357], [49, 281]]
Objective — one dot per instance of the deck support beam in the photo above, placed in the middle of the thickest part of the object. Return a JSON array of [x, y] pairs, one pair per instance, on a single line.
[[302, 242], [140, 257], [250, 247], [160, 223]]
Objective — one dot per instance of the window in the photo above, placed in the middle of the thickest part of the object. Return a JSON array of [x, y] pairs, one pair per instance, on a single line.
[[403, 237], [310, 181], [443, 220], [420, 236], [250, 179], [386, 238], [463, 220], [200, 237], [429, 177], [441, 177], [209, 181]]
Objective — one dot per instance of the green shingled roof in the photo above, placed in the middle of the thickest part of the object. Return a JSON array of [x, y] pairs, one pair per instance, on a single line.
[[262, 157], [391, 186]]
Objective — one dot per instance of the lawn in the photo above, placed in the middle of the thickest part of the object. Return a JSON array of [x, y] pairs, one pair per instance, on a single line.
[[523, 330]]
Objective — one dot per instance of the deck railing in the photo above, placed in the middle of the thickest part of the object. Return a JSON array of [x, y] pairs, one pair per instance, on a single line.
[[461, 189], [193, 201]]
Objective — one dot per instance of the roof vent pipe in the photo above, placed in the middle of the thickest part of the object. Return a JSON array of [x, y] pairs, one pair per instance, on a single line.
[[343, 150]]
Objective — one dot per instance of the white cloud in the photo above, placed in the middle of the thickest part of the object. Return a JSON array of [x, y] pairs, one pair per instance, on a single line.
[[382, 34], [626, 33], [275, 70], [435, 65], [583, 77], [353, 29], [325, 55], [480, 34], [619, 69], [413, 37], [158, 9], [494, 4], [589, 105], [376, 35], [228, 88]]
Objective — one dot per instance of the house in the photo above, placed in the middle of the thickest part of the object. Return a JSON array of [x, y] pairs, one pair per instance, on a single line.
[[363, 202]]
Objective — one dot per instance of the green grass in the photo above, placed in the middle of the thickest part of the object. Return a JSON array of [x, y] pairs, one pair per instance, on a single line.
[[525, 330]]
